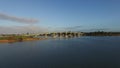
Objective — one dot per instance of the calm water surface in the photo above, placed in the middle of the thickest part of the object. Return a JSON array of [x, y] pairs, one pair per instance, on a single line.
[[83, 52]]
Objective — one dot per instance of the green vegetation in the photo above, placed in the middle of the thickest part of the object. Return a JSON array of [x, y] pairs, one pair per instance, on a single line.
[[102, 33], [16, 38]]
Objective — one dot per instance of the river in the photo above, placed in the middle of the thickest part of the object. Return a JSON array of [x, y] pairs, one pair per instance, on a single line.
[[83, 52]]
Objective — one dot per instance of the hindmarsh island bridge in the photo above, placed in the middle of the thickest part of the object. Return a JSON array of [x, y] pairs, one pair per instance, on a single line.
[[56, 34]]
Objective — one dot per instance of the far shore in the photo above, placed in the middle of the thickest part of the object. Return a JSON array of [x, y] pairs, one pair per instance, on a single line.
[[28, 39], [7, 41], [11, 39]]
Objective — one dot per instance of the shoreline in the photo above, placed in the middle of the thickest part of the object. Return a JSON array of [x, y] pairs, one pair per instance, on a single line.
[[28, 39], [20, 39]]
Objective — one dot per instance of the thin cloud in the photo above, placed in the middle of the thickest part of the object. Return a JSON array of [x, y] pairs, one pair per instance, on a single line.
[[17, 19], [22, 29], [74, 27], [99, 29], [61, 29], [94, 29]]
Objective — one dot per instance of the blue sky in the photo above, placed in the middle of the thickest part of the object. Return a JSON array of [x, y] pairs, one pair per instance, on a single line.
[[90, 15]]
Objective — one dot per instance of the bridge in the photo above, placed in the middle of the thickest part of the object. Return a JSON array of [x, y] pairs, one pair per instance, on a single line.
[[57, 34]]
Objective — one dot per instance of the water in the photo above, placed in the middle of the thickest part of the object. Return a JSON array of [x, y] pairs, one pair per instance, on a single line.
[[83, 52]]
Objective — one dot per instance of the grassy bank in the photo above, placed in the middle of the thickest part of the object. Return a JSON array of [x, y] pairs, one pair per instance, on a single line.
[[7, 39]]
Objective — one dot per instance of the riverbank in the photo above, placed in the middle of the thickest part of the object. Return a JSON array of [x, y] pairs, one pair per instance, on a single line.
[[7, 41], [11, 39], [28, 39]]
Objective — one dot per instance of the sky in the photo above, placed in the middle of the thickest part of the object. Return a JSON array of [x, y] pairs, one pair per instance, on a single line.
[[22, 16]]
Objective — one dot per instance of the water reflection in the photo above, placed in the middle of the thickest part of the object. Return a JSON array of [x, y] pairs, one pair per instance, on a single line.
[[83, 52]]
